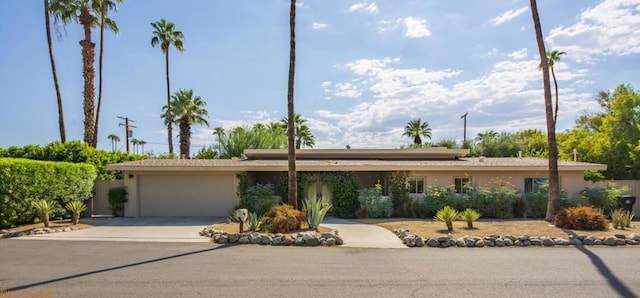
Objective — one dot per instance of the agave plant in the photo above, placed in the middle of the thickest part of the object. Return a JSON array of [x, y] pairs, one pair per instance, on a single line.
[[447, 215], [254, 220], [621, 219], [469, 215], [315, 211], [76, 207], [43, 208]]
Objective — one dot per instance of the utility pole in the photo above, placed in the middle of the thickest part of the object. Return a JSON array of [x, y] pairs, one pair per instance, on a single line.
[[128, 132], [464, 138]]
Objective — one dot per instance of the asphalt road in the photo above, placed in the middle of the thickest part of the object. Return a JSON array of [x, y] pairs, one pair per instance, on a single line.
[[134, 269]]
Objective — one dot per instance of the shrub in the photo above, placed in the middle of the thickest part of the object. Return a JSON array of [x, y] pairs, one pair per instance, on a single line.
[[43, 208], [605, 198], [501, 195], [537, 203], [373, 204], [282, 219], [621, 219], [344, 193], [447, 215], [437, 197], [76, 207], [469, 215], [117, 198], [401, 202], [259, 198], [315, 211], [581, 218], [23, 181]]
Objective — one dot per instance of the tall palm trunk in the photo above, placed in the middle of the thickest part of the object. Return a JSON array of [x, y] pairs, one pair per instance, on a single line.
[[185, 138], [169, 124], [63, 134], [293, 180], [102, 16], [89, 74], [554, 184]]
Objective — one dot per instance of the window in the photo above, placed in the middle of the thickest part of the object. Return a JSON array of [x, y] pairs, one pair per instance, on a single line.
[[416, 184], [534, 184], [460, 184]]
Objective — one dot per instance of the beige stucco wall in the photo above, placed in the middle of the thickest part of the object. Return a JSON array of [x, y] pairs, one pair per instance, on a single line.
[[572, 182]]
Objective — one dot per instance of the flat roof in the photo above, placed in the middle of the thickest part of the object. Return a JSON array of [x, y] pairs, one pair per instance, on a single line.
[[358, 154], [355, 165]]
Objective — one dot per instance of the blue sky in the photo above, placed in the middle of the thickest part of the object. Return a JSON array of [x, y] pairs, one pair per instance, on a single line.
[[364, 68]]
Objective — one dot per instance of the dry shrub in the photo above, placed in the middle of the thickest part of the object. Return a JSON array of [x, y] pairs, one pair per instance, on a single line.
[[581, 218], [283, 219]]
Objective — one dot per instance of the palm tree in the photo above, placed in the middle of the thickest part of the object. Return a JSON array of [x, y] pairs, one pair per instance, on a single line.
[[142, 143], [188, 110], [293, 186], [219, 131], [554, 190], [102, 7], [80, 11], [302, 132], [63, 134], [417, 129], [487, 135], [165, 35], [114, 141], [552, 57], [135, 143]]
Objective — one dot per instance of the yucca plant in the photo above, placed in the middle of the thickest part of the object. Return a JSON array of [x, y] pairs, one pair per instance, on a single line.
[[469, 215], [76, 207], [43, 208], [315, 211], [253, 220], [447, 215], [621, 219]]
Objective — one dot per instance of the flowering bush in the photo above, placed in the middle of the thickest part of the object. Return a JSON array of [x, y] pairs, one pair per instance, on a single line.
[[373, 204], [581, 218], [501, 196], [437, 198]]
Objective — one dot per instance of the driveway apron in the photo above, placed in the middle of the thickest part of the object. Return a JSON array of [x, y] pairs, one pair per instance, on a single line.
[[139, 229], [363, 235]]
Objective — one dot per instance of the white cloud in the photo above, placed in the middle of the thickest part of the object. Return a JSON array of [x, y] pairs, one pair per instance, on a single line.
[[414, 27], [319, 26], [521, 54], [609, 28], [390, 96], [508, 15], [365, 7]]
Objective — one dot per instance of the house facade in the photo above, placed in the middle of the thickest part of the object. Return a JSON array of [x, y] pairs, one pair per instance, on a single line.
[[172, 187]]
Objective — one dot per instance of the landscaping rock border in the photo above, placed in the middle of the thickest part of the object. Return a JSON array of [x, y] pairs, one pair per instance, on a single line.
[[413, 240], [309, 238], [36, 231]]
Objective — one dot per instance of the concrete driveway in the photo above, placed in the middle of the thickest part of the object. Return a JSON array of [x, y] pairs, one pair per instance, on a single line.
[[140, 229]]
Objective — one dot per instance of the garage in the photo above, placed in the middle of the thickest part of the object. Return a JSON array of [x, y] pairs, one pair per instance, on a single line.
[[186, 195]]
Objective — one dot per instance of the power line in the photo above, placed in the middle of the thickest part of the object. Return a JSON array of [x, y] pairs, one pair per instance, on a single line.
[[128, 132]]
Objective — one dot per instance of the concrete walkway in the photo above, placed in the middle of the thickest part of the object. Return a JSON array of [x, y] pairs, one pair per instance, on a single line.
[[141, 229], [363, 235]]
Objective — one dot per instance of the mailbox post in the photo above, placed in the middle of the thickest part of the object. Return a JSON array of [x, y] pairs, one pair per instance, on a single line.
[[241, 215]]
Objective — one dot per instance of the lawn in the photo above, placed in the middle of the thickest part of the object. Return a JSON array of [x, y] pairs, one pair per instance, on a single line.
[[485, 227]]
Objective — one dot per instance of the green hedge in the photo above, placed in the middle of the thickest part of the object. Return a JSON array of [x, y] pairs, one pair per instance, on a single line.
[[75, 152], [23, 181], [345, 188]]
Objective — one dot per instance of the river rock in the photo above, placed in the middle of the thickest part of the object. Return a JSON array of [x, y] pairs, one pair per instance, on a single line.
[[480, 243], [500, 242], [610, 241], [432, 242], [419, 242]]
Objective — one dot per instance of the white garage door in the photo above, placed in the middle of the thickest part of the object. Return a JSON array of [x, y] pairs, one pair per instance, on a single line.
[[186, 195]]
